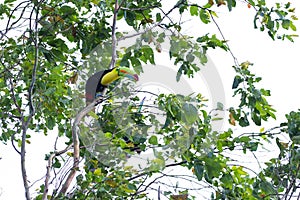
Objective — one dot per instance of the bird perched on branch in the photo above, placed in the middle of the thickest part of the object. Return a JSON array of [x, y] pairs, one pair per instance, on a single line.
[[96, 84]]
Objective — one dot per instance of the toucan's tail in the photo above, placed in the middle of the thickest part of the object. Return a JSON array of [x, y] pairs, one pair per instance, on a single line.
[[91, 87]]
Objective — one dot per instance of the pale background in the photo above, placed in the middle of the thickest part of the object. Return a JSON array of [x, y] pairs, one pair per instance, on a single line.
[[277, 62]]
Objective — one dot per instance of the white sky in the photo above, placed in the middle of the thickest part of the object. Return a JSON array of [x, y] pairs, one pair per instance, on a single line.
[[277, 62]]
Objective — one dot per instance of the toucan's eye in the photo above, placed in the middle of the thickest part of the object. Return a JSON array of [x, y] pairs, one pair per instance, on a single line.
[[118, 71]]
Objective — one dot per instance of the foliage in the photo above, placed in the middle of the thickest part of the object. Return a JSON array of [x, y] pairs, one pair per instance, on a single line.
[[50, 48]]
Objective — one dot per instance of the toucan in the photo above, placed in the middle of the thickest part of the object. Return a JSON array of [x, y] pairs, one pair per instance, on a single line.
[[96, 84]]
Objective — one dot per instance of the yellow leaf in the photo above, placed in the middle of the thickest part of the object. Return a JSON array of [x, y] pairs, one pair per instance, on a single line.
[[245, 65], [96, 2], [70, 154], [111, 183], [128, 168], [214, 13], [130, 144], [97, 172], [262, 130]]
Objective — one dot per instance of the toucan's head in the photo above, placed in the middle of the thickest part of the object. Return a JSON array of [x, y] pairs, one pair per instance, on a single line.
[[128, 73]]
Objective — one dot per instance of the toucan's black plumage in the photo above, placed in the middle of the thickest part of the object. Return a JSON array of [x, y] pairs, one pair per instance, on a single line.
[[96, 84]]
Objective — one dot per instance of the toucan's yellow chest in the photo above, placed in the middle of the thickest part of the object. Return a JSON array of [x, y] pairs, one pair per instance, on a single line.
[[110, 77]]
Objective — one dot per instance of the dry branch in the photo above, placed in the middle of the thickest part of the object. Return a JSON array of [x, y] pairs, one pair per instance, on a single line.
[[75, 138]]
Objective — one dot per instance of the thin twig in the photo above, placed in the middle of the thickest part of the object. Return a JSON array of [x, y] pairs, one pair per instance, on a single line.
[[146, 173], [149, 184], [11, 16], [150, 28], [12, 139], [158, 193], [223, 37], [49, 167]]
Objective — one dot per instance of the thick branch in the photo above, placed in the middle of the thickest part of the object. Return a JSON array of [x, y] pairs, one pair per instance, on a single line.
[[75, 138], [114, 37], [26, 122]]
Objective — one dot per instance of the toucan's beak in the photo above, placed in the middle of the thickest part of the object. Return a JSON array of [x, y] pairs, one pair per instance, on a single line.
[[136, 77], [129, 74], [132, 76]]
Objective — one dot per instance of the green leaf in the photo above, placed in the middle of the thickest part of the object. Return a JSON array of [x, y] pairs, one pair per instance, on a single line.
[[243, 121], [178, 75], [147, 54], [230, 4], [94, 115], [253, 146], [286, 24], [267, 187], [194, 10], [213, 166], [130, 18], [158, 17], [256, 118], [296, 139], [56, 164], [260, 108], [58, 54], [50, 122], [292, 26], [153, 140], [190, 57], [220, 106], [227, 180], [204, 16], [237, 80], [199, 169], [190, 113], [9, 1]]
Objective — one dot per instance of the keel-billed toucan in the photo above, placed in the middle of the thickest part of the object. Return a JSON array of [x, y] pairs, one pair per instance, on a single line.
[[96, 84]]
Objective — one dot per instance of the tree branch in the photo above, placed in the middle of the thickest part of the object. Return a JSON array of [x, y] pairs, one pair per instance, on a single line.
[[152, 27], [11, 16], [114, 37], [26, 122], [49, 167], [223, 37], [146, 173], [76, 147]]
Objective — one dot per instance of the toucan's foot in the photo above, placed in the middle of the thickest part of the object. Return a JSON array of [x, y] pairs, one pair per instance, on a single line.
[[98, 94]]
